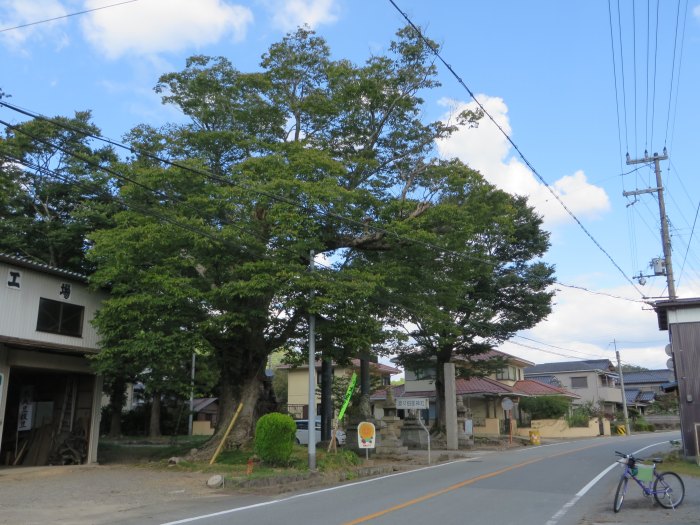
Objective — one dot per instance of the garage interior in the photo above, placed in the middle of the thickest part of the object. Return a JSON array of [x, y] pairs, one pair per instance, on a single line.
[[47, 417]]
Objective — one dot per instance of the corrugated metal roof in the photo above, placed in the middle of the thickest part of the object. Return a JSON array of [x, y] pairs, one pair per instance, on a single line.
[[25, 262]]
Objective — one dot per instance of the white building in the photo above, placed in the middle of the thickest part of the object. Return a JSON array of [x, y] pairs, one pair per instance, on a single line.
[[49, 396]]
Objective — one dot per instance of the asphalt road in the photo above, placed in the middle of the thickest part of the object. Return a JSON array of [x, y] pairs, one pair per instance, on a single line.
[[569, 483], [559, 484]]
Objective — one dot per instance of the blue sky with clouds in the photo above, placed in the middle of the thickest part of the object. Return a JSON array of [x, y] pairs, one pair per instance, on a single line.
[[574, 91]]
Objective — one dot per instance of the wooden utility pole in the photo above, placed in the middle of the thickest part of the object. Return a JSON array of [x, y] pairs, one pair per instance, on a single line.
[[665, 237]]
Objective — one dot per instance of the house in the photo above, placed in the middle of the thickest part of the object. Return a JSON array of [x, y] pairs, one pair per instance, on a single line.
[[593, 381], [49, 395], [482, 397], [641, 388], [298, 383], [205, 412]]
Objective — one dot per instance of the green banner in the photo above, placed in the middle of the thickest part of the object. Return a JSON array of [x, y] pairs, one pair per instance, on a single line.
[[348, 395]]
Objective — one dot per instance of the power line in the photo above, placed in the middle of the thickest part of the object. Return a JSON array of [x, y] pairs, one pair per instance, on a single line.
[[66, 16], [231, 183], [512, 143]]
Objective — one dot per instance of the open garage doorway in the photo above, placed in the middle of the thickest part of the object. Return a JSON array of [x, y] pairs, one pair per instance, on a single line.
[[47, 418]]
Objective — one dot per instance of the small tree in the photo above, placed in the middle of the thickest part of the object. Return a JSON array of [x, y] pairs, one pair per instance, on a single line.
[[274, 438]]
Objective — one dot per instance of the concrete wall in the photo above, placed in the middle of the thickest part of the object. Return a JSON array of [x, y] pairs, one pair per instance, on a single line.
[[558, 428]]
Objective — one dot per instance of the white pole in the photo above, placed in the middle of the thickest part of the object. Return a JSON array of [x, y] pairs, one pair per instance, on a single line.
[[312, 380]]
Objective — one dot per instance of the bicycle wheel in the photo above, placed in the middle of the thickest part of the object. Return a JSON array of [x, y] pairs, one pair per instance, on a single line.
[[669, 490], [620, 493]]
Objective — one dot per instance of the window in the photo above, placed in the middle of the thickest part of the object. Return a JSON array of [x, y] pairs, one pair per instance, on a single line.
[[508, 373], [579, 382], [60, 318]]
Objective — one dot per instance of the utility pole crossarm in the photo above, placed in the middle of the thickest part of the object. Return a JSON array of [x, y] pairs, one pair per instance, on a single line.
[[665, 236], [640, 192]]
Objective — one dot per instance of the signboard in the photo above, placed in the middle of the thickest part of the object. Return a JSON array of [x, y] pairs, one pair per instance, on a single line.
[[348, 395], [26, 409], [417, 403], [366, 435], [507, 403]]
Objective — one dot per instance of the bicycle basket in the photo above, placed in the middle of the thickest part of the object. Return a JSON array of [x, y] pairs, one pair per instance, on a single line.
[[645, 472]]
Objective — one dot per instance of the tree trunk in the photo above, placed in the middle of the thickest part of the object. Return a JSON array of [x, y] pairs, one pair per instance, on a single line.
[[154, 423], [244, 429], [116, 404]]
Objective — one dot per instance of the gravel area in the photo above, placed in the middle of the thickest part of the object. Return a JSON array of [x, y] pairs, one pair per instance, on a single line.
[[90, 493]]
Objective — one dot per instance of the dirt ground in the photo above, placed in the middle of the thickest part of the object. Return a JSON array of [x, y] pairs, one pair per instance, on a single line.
[[88, 494]]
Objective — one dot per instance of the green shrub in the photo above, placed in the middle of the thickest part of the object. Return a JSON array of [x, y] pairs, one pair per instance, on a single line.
[[545, 407], [578, 418], [642, 425], [274, 438]]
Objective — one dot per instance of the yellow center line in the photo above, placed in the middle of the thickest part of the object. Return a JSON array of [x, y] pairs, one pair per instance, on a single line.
[[459, 485]]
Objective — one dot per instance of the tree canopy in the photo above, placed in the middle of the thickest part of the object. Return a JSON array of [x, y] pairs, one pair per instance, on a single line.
[[219, 219]]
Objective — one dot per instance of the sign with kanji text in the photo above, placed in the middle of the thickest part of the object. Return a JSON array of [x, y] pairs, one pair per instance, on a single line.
[[415, 403]]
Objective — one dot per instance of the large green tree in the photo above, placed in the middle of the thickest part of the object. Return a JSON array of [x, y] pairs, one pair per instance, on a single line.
[[51, 198], [474, 281], [308, 154]]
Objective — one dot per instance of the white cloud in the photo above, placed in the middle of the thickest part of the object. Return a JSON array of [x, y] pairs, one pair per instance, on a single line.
[[289, 14], [19, 12], [584, 325], [696, 11], [486, 149], [156, 26]]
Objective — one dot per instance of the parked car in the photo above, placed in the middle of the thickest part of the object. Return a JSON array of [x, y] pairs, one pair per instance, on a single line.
[[302, 435]]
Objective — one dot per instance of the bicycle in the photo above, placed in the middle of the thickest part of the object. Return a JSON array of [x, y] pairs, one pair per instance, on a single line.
[[666, 487]]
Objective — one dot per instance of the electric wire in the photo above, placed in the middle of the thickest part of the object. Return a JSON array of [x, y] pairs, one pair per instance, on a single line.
[[221, 180], [673, 70], [622, 76], [678, 77], [163, 194], [617, 96], [66, 16], [513, 144], [653, 93]]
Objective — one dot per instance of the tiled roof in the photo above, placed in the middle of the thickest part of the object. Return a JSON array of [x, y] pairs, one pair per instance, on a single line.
[[631, 395], [646, 397], [569, 366], [536, 388], [202, 403], [546, 379], [648, 376], [24, 262]]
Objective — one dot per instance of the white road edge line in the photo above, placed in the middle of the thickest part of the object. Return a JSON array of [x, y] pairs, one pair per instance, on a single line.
[[305, 494], [565, 508]]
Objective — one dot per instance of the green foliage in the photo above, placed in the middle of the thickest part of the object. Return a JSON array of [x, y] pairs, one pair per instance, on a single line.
[[664, 404], [642, 425], [52, 191], [336, 461], [579, 417], [274, 438], [545, 407]]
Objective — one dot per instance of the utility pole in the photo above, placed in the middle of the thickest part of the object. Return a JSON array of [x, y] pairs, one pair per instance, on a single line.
[[622, 389], [311, 418], [665, 237]]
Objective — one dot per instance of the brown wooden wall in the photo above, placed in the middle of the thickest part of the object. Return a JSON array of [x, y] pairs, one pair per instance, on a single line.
[[685, 342]]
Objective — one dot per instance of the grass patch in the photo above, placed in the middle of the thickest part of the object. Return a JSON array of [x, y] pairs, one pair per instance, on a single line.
[[232, 464], [137, 449], [675, 462]]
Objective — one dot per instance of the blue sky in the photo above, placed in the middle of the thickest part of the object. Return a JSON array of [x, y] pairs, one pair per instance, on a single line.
[[543, 69]]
